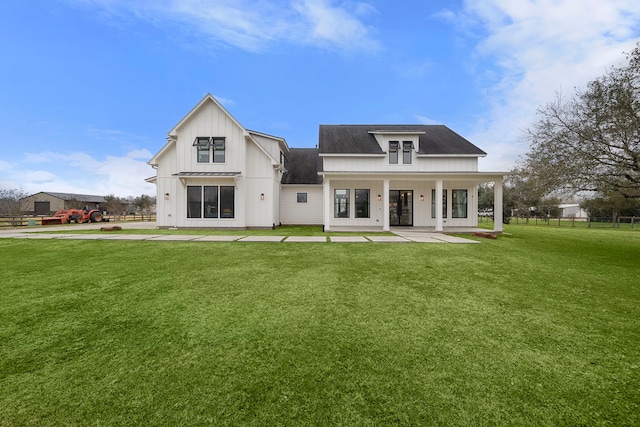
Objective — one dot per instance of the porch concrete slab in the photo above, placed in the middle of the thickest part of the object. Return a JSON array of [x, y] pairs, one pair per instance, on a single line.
[[431, 237], [311, 239], [11, 235], [219, 238], [132, 236], [388, 239], [348, 239], [41, 236], [454, 239], [177, 237], [86, 236], [424, 239], [262, 239]]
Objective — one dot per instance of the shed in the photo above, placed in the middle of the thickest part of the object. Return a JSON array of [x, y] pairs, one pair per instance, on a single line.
[[46, 203]]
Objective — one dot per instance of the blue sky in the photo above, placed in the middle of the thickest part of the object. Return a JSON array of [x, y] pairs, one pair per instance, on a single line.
[[89, 88]]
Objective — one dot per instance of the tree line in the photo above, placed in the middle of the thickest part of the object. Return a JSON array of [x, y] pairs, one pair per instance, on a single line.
[[586, 147], [113, 205]]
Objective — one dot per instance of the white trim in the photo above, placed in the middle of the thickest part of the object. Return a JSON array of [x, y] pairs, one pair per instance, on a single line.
[[351, 155], [194, 110], [171, 141], [274, 162], [265, 135], [415, 175]]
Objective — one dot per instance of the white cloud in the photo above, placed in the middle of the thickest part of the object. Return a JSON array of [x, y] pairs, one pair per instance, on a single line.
[[426, 120], [329, 26], [530, 49], [224, 101], [81, 173], [253, 25]]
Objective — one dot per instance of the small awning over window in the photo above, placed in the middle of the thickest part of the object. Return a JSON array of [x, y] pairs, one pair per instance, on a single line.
[[204, 142]]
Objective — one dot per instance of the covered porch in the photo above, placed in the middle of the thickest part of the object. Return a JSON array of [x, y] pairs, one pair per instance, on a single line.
[[423, 201]]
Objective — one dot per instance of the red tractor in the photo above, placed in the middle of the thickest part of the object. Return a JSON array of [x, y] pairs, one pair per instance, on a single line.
[[64, 216]]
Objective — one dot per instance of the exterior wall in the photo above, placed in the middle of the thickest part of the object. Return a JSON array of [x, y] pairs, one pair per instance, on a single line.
[[28, 203], [422, 199], [256, 191], [210, 121], [294, 213], [179, 205], [270, 145], [418, 164], [169, 191], [260, 179], [376, 207]]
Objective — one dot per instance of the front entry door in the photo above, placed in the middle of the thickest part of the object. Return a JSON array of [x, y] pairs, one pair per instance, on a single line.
[[400, 207]]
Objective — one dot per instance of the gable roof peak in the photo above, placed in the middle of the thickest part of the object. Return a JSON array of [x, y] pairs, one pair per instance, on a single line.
[[206, 99]]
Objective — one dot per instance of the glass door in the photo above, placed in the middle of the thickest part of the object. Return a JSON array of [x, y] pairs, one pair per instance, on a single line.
[[400, 207]]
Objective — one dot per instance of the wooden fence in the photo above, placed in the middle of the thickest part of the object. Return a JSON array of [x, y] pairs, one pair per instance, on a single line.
[[628, 222], [36, 221]]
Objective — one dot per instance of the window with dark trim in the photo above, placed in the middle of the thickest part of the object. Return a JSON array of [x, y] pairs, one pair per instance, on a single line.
[[218, 150], [302, 197], [433, 203], [210, 201], [206, 145], [194, 201], [202, 146], [362, 203], [227, 206], [341, 204], [407, 147], [458, 203], [394, 146]]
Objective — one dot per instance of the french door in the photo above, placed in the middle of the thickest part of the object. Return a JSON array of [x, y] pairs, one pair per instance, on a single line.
[[400, 207]]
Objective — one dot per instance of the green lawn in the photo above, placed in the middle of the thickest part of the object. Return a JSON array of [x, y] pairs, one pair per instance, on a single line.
[[539, 327]]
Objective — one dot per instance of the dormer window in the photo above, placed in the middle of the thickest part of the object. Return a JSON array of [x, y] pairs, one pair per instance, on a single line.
[[205, 145], [394, 146], [407, 147]]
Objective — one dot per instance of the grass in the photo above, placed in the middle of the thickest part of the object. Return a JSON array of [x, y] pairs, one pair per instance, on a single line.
[[539, 327]]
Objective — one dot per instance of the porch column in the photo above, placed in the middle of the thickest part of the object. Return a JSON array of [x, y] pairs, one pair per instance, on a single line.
[[497, 205], [326, 203], [385, 205], [438, 202]]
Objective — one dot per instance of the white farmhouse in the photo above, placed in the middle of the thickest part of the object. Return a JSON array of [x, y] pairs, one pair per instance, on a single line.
[[214, 173]]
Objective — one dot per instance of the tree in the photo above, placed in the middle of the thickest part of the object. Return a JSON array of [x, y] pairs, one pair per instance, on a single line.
[[611, 206], [591, 141], [10, 203], [142, 203], [114, 205], [485, 197]]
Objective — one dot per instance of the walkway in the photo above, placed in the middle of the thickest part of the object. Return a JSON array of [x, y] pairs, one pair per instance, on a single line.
[[400, 236]]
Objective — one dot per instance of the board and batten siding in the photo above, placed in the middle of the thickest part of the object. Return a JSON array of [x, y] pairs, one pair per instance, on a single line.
[[419, 164], [210, 121], [294, 213]]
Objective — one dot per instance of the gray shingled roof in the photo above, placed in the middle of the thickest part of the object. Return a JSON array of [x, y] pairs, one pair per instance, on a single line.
[[80, 197], [303, 165], [356, 139]]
